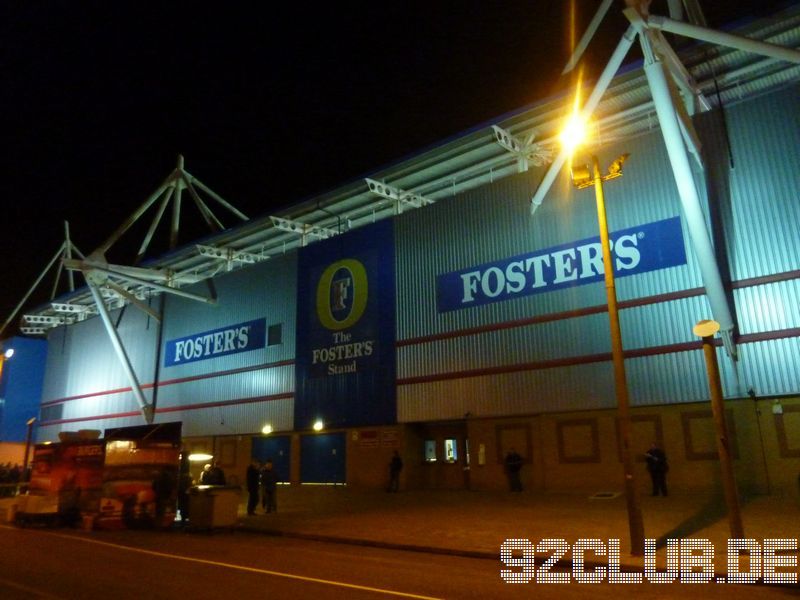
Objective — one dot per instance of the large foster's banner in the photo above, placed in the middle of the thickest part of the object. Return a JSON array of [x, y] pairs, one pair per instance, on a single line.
[[345, 365]]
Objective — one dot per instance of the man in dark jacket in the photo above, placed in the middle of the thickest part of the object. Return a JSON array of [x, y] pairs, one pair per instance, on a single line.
[[658, 467], [253, 486], [395, 466], [513, 467], [269, 483]]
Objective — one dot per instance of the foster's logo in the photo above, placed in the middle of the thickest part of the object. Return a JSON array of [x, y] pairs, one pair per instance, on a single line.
[[342, 294]]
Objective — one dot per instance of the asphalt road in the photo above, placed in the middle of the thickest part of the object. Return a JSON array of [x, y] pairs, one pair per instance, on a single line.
[[62, 563]]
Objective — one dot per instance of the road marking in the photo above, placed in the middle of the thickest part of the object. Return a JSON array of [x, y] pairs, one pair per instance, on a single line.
[[28, 590], [203, 561]]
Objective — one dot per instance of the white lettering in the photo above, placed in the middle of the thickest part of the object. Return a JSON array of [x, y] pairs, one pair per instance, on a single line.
[[591, 260], [500, 282], [564, 265], [179, 346], [626, 252], [218, 337], [538, 263], [470, 281], [515, 275], [230, 335], [244, 337]]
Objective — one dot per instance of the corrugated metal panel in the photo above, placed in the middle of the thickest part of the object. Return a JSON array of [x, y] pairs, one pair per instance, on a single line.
[[266, 290], [768, 307], [218, 420], [765, 137], [251, 384], [81, 359], [493, 223], [508, 394], [228, 420], [771, 367], [662, 324], [667, 378]]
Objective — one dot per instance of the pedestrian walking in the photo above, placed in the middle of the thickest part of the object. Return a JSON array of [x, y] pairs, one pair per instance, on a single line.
[[395, 466], [253, 486], [657, 466], [513, 464], [269, 485]]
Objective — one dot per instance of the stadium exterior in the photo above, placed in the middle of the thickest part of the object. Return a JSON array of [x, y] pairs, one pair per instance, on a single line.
[[457, 325]]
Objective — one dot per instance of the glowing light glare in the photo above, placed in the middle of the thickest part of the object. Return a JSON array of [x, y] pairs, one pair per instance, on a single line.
[[9, 353], [574, 132], [266, 429], [200, 457], [318, 425]]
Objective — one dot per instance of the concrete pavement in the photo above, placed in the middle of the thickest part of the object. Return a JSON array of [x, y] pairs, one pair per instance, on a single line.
[[475, 523]]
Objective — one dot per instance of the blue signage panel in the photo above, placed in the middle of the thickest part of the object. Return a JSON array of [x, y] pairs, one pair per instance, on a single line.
[[648, 247], [345, 365], [232, 339]]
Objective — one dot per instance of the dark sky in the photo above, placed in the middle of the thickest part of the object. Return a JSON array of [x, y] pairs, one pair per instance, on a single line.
[[269, 102]]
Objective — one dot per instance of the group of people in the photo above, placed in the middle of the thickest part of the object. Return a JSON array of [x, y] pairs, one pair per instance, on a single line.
[[657, 467], [212, 475], [262, 483], [10, 475]]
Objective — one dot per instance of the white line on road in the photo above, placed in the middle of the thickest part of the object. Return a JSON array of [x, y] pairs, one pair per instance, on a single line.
[[243, 568], [28, 590]]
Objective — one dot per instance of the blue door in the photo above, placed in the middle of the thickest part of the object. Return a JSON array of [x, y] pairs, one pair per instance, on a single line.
[[274, 448], [322, 458]]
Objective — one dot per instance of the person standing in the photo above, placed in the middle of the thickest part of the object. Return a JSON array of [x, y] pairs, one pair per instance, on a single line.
[[253, 486], [513, 467], [269, 483], [212, 475], [395, 466], [657, 466]]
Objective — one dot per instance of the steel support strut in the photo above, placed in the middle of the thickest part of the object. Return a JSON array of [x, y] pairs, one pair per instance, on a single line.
[[690, 199], [144, 406]]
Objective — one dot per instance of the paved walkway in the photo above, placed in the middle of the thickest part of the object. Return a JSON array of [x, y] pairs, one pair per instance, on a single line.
[[476, 523]]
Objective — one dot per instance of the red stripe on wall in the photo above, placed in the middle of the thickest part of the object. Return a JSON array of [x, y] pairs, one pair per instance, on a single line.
[[165, 382], [169, 409], [592, 310], [593, 358]]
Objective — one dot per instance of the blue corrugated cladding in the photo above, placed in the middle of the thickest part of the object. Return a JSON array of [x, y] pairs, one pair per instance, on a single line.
[[564, 364], [244, 390], [85, 379]]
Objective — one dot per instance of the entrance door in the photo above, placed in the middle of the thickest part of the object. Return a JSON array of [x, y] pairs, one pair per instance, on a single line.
[[322, 458], [446, 462], [274, 448]]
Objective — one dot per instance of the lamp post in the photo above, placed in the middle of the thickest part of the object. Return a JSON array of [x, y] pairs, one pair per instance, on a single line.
[[28, 437], [582, 177], [706, 331]]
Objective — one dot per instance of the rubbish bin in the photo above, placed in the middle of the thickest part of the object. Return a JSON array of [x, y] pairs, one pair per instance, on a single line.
[[214, 506]]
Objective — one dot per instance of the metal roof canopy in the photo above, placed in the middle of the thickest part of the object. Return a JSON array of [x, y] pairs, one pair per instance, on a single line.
[[473, 159]]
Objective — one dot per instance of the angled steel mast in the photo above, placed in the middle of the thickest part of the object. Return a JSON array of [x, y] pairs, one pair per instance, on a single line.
[[63, 253], [670, 82], [131, 283]]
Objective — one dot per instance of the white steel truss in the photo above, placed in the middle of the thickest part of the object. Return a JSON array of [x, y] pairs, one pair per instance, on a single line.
[[667, 80], [399, 197]]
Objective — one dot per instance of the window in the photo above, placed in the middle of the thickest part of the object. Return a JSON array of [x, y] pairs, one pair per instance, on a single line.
[[451, 450], [52, 413], [430, 450], [274, 334]]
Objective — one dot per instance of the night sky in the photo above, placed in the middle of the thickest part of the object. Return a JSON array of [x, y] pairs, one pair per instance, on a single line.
[[270, 103]]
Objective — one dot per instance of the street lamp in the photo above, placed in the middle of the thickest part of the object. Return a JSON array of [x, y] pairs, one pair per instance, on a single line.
[[4, 356], [585, 176], [706, 331]]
